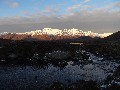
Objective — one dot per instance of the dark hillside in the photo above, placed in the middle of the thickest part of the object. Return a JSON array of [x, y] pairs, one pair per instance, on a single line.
[[114, 37]]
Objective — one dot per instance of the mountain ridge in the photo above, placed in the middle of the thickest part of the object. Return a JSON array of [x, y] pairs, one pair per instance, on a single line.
[[52, 34]]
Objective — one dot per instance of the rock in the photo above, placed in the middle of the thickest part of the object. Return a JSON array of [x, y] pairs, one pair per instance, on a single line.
[[12, 56], [58, 55], [36, 56]]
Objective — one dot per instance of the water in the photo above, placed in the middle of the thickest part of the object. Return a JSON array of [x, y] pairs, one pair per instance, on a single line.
[[33, 77]]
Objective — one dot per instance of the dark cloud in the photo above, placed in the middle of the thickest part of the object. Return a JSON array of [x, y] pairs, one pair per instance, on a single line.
[[99, 27]]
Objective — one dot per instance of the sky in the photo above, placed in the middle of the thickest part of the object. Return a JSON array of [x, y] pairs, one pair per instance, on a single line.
[[89, 15]]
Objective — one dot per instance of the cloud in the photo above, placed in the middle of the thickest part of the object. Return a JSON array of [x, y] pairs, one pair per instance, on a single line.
[[13, 4], [78, 6], [116, 4], [25, 12], [50, 10], [113, 5], [82, 15], [74, 0], [103, 19], [52, 15], [72, 8], [87, 0], [10, 3]]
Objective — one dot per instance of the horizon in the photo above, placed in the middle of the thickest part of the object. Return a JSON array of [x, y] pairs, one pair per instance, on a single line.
[[89, 15]]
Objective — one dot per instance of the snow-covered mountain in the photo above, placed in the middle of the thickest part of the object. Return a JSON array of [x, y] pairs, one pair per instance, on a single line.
[[55, 32]]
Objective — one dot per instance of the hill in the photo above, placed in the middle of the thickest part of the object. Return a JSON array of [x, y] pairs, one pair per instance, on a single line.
[[115, 37]]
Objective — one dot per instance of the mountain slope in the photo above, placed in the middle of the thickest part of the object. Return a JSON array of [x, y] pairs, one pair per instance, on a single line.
[[113, 37]]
